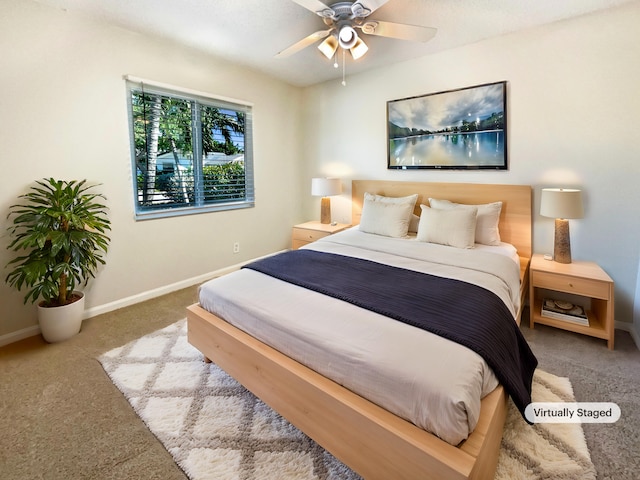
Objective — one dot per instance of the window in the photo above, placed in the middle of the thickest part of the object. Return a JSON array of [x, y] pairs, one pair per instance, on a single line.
[[190, 153]]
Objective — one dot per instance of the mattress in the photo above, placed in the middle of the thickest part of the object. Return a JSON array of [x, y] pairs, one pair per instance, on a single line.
[[421, 377]]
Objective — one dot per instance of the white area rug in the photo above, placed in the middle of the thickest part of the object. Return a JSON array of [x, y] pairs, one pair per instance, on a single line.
[[215, 429]]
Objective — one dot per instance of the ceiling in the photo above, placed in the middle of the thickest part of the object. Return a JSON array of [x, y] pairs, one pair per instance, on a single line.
[[252, 32]]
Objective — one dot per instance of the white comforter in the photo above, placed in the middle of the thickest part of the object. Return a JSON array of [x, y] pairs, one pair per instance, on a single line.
[[430, 381]]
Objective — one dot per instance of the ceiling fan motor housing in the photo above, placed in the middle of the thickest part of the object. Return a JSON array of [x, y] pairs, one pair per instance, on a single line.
[[343, 16], [344, 11]]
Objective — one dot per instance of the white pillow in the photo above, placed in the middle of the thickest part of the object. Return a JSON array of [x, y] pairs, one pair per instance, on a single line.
[[487, 231], [455, 227], [387, 216], [414, 222]]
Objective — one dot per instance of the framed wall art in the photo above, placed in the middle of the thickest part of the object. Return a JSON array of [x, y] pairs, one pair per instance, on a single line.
[[464, 129]]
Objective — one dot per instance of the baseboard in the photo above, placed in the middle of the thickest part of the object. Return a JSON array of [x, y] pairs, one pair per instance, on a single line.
[[164, 290], [19, 335], [132, 300]]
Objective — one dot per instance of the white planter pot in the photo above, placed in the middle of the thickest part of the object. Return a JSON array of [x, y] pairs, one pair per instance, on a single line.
[[61, 323]]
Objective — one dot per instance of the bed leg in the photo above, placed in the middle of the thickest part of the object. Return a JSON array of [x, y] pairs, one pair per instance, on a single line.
[[207, 359]]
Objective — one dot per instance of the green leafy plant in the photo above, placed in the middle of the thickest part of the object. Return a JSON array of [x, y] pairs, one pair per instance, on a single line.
[[59, 231]]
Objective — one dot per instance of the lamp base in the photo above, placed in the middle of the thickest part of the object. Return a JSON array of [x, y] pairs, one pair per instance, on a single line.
[[562, 242], [325, 210]]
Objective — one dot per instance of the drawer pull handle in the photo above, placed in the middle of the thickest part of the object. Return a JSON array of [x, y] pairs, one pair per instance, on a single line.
[[571, 285]]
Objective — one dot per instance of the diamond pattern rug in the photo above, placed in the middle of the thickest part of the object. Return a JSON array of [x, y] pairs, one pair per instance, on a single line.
[[215, 429]]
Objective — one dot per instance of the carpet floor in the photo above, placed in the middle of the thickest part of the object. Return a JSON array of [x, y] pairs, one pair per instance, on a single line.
[[216, 429]]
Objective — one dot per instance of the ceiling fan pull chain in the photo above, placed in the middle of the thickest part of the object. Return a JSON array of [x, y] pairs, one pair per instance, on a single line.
[[344, 63]]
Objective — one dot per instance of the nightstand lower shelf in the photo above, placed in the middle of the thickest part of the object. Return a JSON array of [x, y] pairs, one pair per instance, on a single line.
[[596, 327]]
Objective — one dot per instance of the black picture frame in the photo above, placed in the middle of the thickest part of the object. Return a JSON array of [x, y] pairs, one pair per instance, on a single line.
[[462, 129]]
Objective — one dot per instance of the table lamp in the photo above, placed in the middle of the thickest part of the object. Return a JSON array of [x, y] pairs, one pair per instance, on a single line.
[[561, 204], [325, 187]]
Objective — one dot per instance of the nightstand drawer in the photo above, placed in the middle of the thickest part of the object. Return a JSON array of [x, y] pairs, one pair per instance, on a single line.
[[578, 286], [309, 232], [307, 235]]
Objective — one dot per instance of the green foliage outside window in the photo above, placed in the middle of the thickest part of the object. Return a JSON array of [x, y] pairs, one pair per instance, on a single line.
[[189, 152]]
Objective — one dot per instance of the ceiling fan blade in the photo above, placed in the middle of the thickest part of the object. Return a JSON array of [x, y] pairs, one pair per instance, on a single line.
[[399, 30], [304, 43], [369, 6], [316, 6]]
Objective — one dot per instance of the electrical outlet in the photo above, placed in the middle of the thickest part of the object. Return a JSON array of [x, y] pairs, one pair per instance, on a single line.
[[236, 247]]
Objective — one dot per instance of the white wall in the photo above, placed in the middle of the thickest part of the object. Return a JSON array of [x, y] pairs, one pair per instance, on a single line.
[[573, 104], [63, 114]]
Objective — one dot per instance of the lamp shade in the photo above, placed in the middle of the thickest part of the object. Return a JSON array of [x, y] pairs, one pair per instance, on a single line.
[[359, 49], [329, 46], [325, 187], [561, 203]]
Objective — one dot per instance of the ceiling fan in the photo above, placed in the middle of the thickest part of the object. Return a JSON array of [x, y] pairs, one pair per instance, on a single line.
[[343, 18]]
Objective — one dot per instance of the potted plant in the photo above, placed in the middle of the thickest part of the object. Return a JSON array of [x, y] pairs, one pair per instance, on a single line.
[[59, 233]]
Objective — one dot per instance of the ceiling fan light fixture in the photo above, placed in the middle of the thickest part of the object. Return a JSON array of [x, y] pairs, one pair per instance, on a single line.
[[329, 46], [359, 49], [347, 37]]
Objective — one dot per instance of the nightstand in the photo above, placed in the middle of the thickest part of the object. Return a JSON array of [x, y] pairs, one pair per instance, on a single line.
[[308, 232], [590, 284]]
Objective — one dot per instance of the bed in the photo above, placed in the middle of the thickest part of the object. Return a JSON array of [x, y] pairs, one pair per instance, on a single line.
[[370, 439]]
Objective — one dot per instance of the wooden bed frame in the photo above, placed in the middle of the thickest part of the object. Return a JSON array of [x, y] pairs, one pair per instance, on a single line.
[[372, 441]]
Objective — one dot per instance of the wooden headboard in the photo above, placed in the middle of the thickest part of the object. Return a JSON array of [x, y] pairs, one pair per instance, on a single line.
[[515, 218]]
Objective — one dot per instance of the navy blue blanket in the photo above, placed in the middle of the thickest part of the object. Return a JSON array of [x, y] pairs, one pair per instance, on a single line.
[[462, 312]]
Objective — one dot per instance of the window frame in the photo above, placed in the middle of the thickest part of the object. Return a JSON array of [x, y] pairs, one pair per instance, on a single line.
[[134, 84]]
